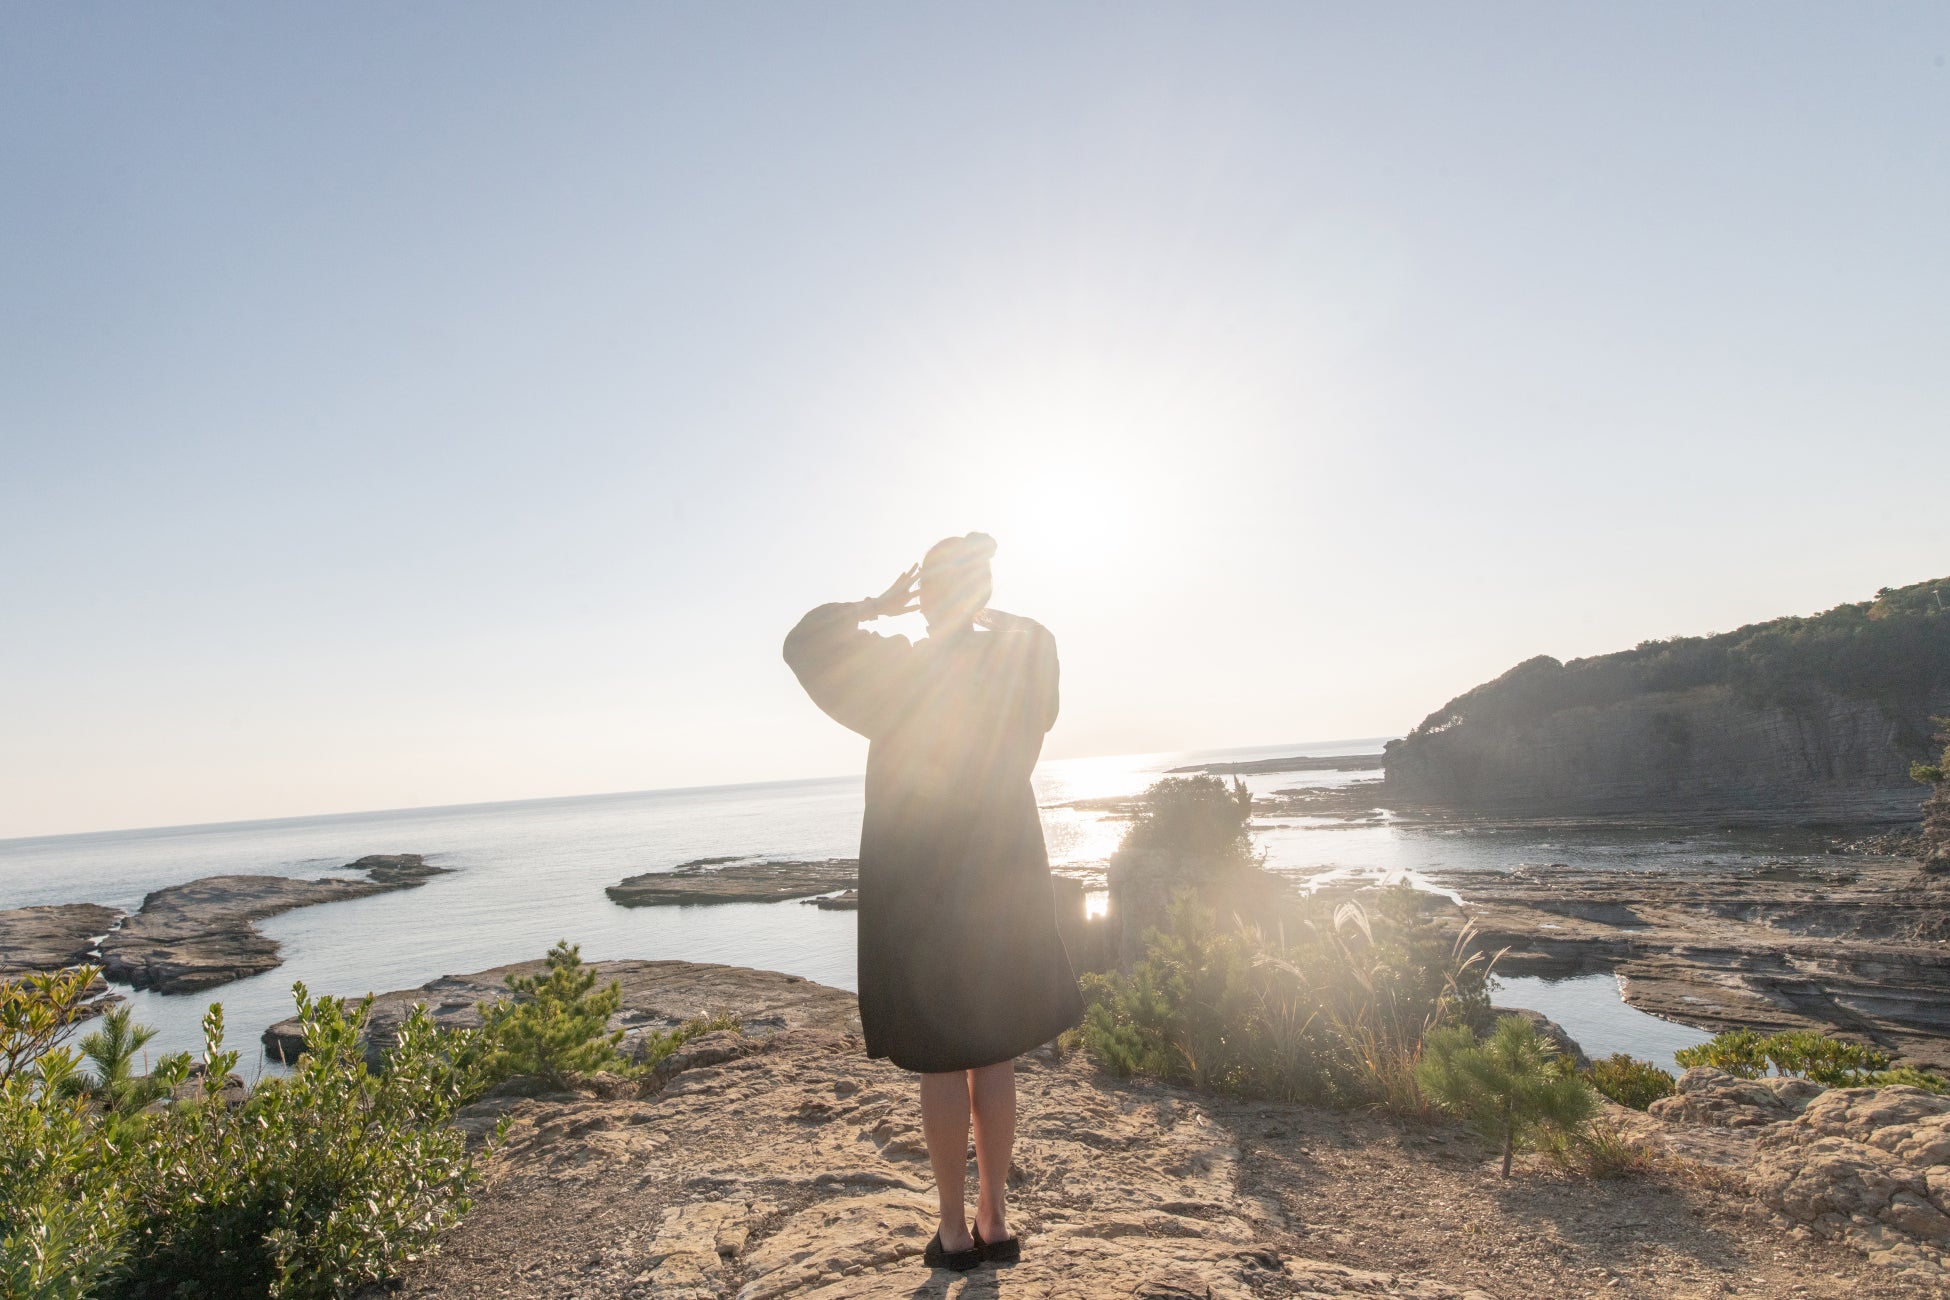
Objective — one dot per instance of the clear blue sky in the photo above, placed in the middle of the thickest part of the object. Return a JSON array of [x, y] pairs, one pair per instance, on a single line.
[[411, 404]]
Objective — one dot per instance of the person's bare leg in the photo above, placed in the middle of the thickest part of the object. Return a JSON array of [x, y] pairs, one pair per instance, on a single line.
[[992, 1096], [944, 1122]]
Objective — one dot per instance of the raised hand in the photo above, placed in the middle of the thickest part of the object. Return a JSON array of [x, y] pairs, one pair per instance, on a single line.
[[899, 598]]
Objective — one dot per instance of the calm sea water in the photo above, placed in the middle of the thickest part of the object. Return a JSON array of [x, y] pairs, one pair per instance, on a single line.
[[528, 873]]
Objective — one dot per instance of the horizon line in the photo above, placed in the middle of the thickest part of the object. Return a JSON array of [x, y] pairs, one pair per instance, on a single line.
[[185, 827]]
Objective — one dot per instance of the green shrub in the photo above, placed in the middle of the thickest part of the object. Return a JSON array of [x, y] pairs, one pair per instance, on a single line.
[[317, 1184], [1933, 773], [1910, 1077], [1740, 1052], [1832, 1062], [657, 1046], [63, 1209], [1629, 1081], [312, 1185], [1332, 1011], [555, 1026], [1197, 818], [37, 1012], [1512, 1089]]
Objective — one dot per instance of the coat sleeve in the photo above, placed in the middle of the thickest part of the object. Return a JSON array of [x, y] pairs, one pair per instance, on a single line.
[[1043, 678], [1036, 672], [856, 677]]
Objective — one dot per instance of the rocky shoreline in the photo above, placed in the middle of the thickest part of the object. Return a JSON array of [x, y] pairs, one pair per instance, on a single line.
[[1861, 949], [191, 936]]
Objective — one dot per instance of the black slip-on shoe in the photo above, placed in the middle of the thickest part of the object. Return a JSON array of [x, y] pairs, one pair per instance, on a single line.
[[1006, 1251], [939, 1256]]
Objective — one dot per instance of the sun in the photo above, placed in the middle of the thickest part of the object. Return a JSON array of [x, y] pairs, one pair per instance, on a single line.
[[1065, 518]]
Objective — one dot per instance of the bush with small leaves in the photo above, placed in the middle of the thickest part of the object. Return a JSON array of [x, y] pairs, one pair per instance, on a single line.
[[63, 1209], [1832, 1062], [1512, 1089], [316, 1185], [1739, 1052], [1629, 1081]]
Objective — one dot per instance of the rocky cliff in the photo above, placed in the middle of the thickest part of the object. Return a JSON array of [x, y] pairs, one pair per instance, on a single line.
[[1812, 719]]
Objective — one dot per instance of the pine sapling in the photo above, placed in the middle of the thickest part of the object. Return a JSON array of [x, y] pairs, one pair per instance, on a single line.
[[1506, 1088]]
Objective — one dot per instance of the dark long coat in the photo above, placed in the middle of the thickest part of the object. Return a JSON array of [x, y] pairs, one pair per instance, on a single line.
[[961, 964]]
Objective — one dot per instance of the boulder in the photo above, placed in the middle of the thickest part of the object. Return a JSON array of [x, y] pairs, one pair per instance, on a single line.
[[1869, 1167], [1704, 1095]]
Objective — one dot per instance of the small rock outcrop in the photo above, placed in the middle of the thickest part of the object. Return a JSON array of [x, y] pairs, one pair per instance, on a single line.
[[735, 880], [1867, 1166], [201, 934], [656, 996], [1704, 1095], [48, 938]]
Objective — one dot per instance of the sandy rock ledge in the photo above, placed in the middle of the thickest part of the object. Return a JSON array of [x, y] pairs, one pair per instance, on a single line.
[[778, 1163]]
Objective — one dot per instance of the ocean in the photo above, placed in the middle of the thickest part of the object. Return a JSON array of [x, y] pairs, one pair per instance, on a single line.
[[525, 874]]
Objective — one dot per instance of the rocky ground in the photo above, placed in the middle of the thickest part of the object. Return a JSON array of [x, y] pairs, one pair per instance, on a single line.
[[1862, 948], [784, 1164], [735, 880], [201, 934]]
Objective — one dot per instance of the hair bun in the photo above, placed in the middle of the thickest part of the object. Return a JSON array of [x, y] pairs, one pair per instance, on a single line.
[[959, 552]]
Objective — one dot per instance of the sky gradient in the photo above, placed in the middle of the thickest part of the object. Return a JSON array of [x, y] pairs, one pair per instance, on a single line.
[[436, 404]]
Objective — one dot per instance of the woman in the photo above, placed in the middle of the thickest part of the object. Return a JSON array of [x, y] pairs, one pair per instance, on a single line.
[[961, 965]]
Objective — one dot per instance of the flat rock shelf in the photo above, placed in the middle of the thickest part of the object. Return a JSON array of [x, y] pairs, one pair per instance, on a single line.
[[1862, 948], [48, 938], [202, 934], [735, 880]]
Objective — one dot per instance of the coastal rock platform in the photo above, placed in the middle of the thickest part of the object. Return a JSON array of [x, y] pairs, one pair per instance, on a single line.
[[48, 938], [735, 880], [784, 1165], [201, 934], [1862, 948]]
